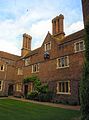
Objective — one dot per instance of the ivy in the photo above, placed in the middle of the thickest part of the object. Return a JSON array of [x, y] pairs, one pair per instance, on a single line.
[[84, 86], [37, 84]]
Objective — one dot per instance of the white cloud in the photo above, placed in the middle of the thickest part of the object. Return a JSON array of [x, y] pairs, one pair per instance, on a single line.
[[9, 47], [11, 33], [39, 31], [74, 27], [35, 21]]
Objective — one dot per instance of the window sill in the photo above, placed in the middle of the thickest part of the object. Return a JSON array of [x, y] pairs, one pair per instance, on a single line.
[[19, 74], [2, 70], [36, 72], [62, 93], [62, 67], [18, 91], [79, 51]]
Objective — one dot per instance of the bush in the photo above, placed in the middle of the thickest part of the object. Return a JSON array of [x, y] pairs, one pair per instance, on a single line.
[[45, 97], [32, 95], [44, 88]]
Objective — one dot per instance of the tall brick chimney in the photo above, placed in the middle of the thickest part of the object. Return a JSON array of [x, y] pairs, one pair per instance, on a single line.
[[26, 45], [58, 26]]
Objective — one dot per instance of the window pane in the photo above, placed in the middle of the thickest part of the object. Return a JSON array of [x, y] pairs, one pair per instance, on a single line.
[[2, 67], [63, 87], [62, 62], [81, 45], [20, 71], [18, 87], [34, 68], [66, 86], [59, 63], [48, 46], [59, 87], [0, 85], [77, 46], [66, 61]]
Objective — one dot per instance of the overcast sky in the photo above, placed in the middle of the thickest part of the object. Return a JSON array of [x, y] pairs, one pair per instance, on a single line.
[[34, 18]]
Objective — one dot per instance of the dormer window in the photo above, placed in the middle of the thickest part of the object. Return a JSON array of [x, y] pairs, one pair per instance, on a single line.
[[1, 67], [48, 46], [27, 61]]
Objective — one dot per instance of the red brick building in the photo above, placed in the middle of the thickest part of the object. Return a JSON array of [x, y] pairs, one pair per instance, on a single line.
[[58, 62], [85, 7]]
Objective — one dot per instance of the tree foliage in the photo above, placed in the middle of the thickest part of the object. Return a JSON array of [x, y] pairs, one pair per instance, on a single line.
[[36, 82], [84, 86]]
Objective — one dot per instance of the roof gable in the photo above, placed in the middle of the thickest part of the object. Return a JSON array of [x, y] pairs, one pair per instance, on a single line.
[[47, 38]]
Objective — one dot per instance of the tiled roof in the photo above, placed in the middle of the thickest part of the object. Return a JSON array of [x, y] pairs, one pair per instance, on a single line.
[[9, 56]]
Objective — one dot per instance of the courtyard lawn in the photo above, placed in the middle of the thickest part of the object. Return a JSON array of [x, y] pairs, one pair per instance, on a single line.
[[18, 110]]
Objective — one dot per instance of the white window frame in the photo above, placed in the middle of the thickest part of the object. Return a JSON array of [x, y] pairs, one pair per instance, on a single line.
[[45, 46], [17, 87], [59, 92], [75, 50], [60, 66], [1, 85], [3, 67], [19, 71], [37, 68]]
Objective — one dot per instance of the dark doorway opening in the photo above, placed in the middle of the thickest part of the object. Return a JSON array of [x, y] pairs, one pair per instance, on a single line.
[[10, 90], [25, 90]]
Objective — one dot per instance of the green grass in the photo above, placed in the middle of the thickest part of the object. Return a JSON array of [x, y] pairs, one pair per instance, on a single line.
[[18, 110]]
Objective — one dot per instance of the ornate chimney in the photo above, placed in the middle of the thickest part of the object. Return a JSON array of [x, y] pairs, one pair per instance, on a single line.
[[58, 26], [26, 45]]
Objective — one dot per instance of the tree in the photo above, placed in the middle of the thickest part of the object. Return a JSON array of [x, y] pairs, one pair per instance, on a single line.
[[84, 85]]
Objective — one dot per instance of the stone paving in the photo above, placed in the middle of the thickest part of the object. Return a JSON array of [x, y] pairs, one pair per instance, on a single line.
[[48, 104]]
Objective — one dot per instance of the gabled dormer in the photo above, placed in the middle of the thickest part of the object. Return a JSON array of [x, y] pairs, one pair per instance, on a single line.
[[47, 45], [47, 42]]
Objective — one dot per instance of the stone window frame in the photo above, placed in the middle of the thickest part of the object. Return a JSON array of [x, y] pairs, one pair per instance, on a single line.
[[47, 46], [78, 44], [35, 68], [1, 83], [2, 67], [18, 87], [20, 71], [64, 62], [63, 87]]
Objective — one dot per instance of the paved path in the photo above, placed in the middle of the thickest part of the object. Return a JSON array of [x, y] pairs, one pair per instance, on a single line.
[[49, 104]]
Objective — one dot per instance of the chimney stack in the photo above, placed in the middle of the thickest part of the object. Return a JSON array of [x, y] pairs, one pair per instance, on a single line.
[[26, 45], [58, 26]]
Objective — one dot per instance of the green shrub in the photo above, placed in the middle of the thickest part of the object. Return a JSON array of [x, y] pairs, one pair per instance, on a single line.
[[45, 97], [44, 88], [32, 95]]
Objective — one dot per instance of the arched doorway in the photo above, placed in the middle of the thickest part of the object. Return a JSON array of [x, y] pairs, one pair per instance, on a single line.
[[10, 89]]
